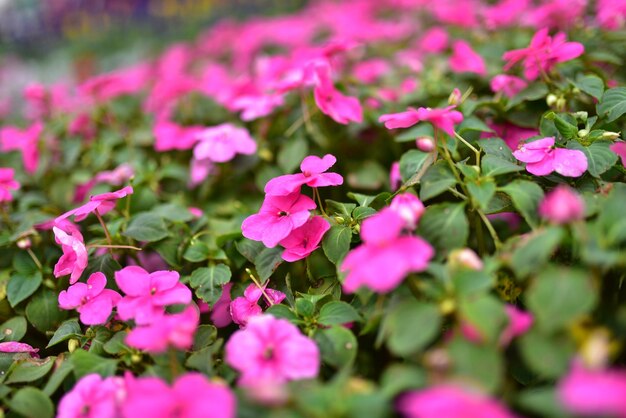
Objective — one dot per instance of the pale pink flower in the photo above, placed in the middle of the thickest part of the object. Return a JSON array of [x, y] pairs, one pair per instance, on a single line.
[[443, 119], [447, 401], [341, 108], [175, 330], [611, 14], [305, 239], [509, 85], [620, 149], [15, 347], [93, 397], [386, 256], [148, 293], [434, 41], [465, 60], [171, 136], [100, 203], [594, 393], [221, 143], [74, 258], [395, 178], [24, 140], [7, 183], [465, 258], [272, 350], [542, 158], [409, 207], [278, 216], [313, 174], [93, 302], [257, 106], [543, 53], [245, 307], [562, 205]]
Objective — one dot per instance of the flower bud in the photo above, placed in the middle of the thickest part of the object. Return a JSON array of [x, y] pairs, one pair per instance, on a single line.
[[581, 116], [465, 258], [562, 205], [409, 207], [425, 144], [72, 345], [455, 97], [339, 220], [551, 99], [610, 135], [447, 306], [583, 133], [24, 243], [560, 103]]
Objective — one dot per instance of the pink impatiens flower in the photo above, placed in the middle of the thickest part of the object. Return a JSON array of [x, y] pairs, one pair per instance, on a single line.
[[313, 175], [25, 141], [115, 177], [171, 136], [220, 314], [509, 85], [91, 300], [100, 204], [174, 330], [409, 207], [74, 258], [542, 158], [519, 323], [620, 149], [278, 216], [93, 397], [271, 350], [395, 177], [443, 119], [245, 307], [562, 205], [7, 183], [341, 108], [446, 401], [148, 293], [465, 60], [386, 256], [543, 53], [15, 347], [304, 240]]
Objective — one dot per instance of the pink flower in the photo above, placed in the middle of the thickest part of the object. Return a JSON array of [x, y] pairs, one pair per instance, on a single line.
[[509, 133], [620, 149], [257, 106], [313, 175], [543, 53], [74, 258], [7, 183], [594, 392], [371, 70], [91, 300], [409, 207], [220, 315], [148, 293], [82, 125], [542, 158], [93, 397], [611, 14], [386, 256], [465, 258], [272, 350], [116, 177], [562, 205], [100, 203], [504, 13], [245, 307], [191, 396], [446, 401], [434, 41], [171, 136], [425, 144], [519, 323], [304, 240], [465, 60], [278, 216], [174, 330], [25, 141], [15, 347], [443, 119], [509, 85], [395, 178], [104, 87], [221, 143], [342, 109]]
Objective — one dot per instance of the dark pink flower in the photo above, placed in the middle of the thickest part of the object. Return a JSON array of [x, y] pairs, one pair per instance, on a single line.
[[148, 293], [342, 109], [435, 40], [93, 397], [395, 178], [543, 53], [175, 330], [104, 87], [272, 350], [115, 177], [278, 216], [443, 119], [409, 207], [386, 256], [542, 158], [511, 134], [303, 240], [509, 85], [24, 140], [465, 60], [220, 314], [74, 258], [245, 307], [15, 347], [7, 183], [611, 14], [101, 203], [519, 323], [313, 175], [171, 136], [91, 300], [620, 149], [562, 205]]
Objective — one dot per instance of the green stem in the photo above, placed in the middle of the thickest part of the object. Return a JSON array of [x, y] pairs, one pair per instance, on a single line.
[[480, 238], [470, 146], [260, 286], [35, 259], [492, 231], [317, 197]]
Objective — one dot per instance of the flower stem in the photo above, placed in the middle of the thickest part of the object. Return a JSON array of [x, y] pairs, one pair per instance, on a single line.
[[105, 229], [317, 197], [470, 146], [35, 259], [492, 231], [261, 287]]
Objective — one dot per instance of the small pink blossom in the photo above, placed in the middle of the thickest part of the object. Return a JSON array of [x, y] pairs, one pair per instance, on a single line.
[[100, 203], [395, 178], [620, 149], [371, 70], [104, 87], [434, 41], [443, 119], [148, 293], [341, 108], [220, 314], [305, 239], [91, 300], [256, 106], [116, 177], [171, 136], [509, 85], [82, 125], [24, 140], [221, 143], [562, 205], [465, 60], [313, 174], [425, 144], [504, 13], [278, 216], [15, 347], [542, 158], [93, 397], [519, 323], [611, 14], [386, 256], [409, 207], [465, 258], [245, 307], [271, 350], [74, 258], [543, 53], [175, 330], [7, 183]]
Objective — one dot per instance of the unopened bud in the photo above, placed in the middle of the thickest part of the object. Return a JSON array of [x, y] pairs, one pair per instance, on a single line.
[[581, 116], [265, 154], [583, 133], [24, 243], [72, 345], [610, 135], [551, 100], [425, 144], [455, 97], [447, 306], [135, 358], [560, 103], [595, 350], [339, 220], [465, 258]]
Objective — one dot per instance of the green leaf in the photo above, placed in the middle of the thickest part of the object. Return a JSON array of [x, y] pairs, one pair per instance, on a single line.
[[437, 179], [548, 356], [494, 166], [205, 336], [43, 311], [599, 157], [565, 128], [526, 196], [337, 313], [482, 190], [21, 286], [534, 250], [445, 225], [367, 200], [534, 91], [146, 227], [338, 346], [336, 243], [542, 401], [418, 131], [85, 363], [559, 296], [496, 147], [24, 264], [116, 345], [399, 378], [410, 326], [68, 329], [472, 123], [105, 264], [58, 376], [197, 252], [267, 261], [282, 311], [173, 212], [481, 363], [31, 402], [467, 281], [249, 249], [411, 162], [13, 329], [208, 282], [29, 370], [612, 105], [590, 84], [305, 308], [292, 153], [486, 315]]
